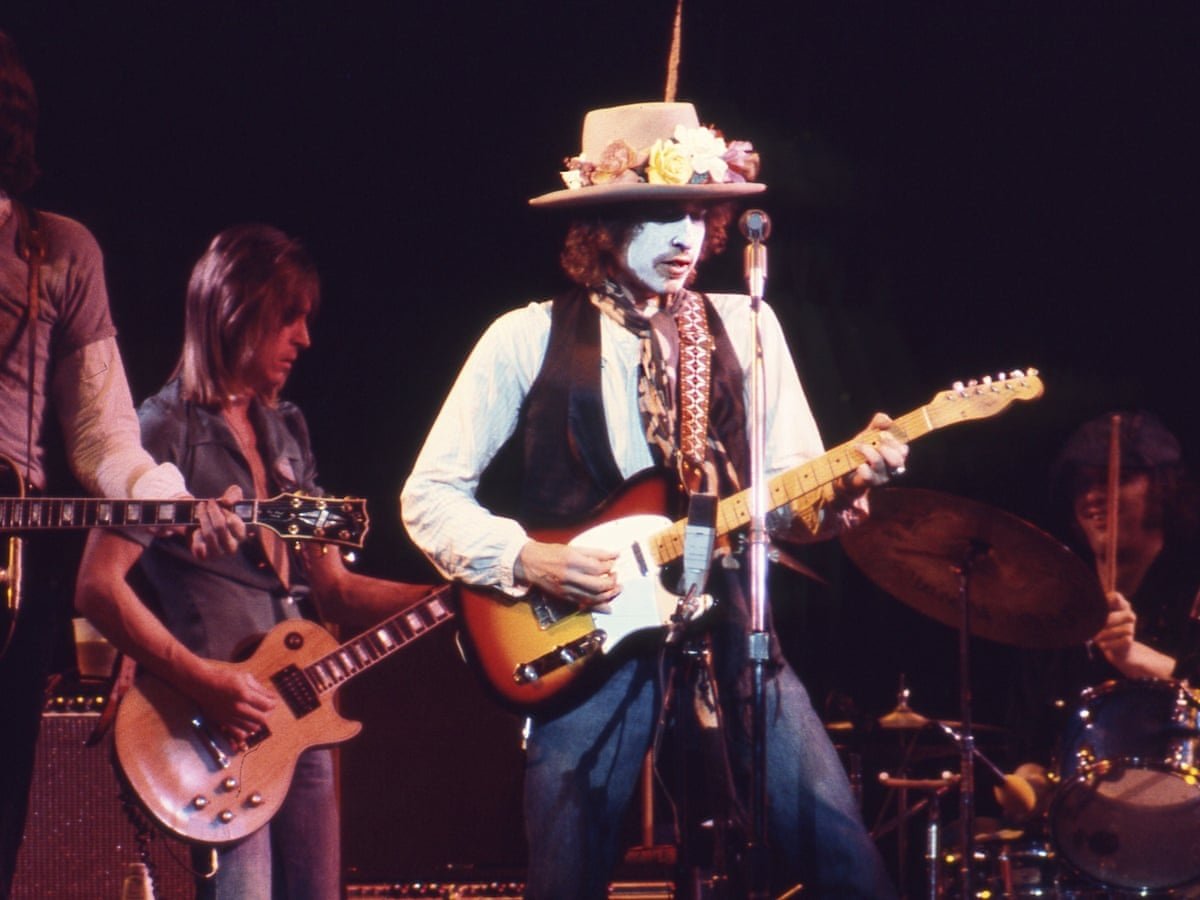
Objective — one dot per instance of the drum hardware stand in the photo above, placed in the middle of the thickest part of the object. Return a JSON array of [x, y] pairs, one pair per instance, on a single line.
[[690, 695], [935, 787], [904, 717], [976, 550]]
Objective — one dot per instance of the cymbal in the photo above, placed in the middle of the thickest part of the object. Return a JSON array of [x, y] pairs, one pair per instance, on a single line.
[[902, 718], [1024, 588]]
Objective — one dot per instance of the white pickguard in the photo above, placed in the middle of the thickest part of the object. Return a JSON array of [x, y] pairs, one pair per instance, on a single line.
[[643, 602]]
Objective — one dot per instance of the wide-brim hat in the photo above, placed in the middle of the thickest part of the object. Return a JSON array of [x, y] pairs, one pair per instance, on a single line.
[[651, 152]]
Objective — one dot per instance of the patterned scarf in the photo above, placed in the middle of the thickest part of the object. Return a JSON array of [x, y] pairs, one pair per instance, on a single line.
[[676, 361]]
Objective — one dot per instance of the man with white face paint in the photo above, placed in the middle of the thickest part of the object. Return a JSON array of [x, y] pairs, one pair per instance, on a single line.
[[589, 384]]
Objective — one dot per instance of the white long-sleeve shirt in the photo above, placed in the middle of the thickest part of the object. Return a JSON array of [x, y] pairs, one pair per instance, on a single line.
[[438, 505]]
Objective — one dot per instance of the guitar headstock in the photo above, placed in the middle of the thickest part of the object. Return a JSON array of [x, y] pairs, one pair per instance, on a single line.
[[334, 520], [983, 397]]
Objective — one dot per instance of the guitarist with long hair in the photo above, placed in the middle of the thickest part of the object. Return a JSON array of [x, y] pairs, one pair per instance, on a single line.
[[250, 301], [597, 386], [58, 358]]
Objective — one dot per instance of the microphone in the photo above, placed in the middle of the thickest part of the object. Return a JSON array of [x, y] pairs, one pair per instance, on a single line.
[[755, 226]]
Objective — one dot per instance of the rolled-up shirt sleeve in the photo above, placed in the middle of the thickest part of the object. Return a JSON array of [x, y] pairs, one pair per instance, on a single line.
[[100, 427]]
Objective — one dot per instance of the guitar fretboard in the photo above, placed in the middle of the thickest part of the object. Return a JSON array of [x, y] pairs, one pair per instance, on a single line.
[[338, 520], [376, 644], [31, 513], [806, 486]]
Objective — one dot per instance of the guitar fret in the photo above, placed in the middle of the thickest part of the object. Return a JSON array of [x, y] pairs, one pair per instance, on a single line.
[[415, 622], [403, 629], [384, 638], [321, 675], [360, 651], [348, 662], [437, 610]]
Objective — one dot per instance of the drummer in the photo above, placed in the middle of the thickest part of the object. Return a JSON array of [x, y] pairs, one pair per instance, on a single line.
[[1152, 628]]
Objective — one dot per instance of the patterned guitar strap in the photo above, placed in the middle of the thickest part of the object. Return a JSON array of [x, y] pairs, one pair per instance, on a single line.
[[676, 361]]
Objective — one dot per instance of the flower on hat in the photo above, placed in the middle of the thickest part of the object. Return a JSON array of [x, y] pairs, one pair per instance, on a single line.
[[704, 149], [690, 156], [668, 164]]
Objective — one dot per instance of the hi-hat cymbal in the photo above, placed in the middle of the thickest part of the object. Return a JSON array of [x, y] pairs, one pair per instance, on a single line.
[[1024, 588], [902, 718]]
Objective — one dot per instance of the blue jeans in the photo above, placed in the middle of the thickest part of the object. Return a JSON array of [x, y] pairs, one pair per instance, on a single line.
[[297, 856], [582, 768]]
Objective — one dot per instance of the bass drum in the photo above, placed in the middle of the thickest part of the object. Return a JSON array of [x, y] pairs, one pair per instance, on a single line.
[[1127, 811]]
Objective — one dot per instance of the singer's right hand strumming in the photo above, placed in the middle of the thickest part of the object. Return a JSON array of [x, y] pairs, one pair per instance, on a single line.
[[582, 575]]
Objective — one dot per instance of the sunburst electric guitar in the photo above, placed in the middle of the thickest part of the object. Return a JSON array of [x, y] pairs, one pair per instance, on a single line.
[[294, 517], [197, 785], [533, 649]]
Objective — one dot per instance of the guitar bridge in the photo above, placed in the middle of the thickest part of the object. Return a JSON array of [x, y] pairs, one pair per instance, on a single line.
[[549, 611], [561, 656]]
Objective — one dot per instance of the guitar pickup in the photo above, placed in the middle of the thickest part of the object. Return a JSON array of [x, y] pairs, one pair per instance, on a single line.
[[561, 656]]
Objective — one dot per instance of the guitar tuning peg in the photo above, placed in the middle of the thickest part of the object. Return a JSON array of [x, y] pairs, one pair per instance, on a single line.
[[1017, 373], [1000, 376], [958, 387], [987, 379]]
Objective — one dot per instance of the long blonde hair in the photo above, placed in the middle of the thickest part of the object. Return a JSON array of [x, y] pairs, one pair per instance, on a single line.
[[250, 281]]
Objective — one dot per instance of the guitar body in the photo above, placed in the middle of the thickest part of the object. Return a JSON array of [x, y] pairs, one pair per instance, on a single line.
[[506, 634], [169, 762]]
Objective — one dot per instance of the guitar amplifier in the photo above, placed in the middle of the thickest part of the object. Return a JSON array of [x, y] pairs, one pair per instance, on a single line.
[[79, 841]]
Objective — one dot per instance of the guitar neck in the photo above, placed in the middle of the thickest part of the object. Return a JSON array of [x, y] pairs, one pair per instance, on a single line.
[[294, 517], [807, 485], [376, 644], [59, 513]]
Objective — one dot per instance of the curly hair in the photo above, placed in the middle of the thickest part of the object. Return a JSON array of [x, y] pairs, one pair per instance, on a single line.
[[593, 246], [18, 122]]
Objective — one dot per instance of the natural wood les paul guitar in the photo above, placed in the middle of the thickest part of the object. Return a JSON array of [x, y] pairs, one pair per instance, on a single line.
[[195, 783], [532, 650], [294, 517]]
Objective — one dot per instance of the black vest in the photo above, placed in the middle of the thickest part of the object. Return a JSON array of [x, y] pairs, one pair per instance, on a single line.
[[569, 467]]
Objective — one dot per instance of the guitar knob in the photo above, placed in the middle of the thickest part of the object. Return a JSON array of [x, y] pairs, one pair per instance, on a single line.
[[199, 801], [230, 783], [256, 799], [226, 816]]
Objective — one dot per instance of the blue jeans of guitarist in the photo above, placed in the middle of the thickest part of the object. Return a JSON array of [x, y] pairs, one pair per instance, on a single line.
[[583, 767], [295, 856]]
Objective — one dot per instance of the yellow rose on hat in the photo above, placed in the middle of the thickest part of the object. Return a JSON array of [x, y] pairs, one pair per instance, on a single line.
[[669, 164]]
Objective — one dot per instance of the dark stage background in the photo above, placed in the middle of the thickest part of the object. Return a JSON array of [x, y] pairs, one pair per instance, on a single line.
[[955, 189]]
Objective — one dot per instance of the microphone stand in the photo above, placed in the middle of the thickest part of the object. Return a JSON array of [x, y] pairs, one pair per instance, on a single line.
[[755, 226]]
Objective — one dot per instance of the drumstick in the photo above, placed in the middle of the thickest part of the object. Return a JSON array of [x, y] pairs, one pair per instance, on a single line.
[[1109, 576]]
